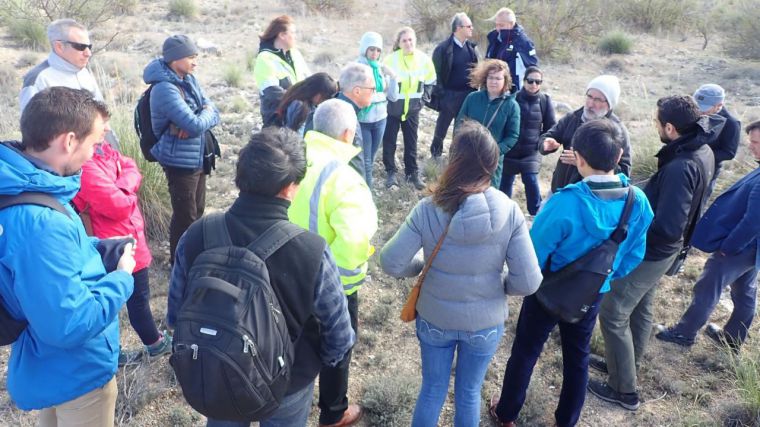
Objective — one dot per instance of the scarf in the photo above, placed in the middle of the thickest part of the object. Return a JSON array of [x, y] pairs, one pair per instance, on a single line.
[[378, 75]]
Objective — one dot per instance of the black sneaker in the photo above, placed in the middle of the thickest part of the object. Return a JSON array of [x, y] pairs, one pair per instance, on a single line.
[[390, 180], [716, 333], [670, 335], [603, 391], [598, 363], [416, 181]]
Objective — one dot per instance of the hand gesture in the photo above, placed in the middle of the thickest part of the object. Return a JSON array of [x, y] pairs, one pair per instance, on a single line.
[[568, 157], [551, 144]]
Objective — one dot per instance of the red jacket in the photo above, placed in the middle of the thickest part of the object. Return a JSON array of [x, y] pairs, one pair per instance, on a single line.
[[109, 193]]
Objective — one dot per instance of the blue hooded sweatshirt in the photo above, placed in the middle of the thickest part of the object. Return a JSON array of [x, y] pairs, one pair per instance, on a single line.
[[51, 275]]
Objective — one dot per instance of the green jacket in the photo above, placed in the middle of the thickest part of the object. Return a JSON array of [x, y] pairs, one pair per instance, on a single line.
[[504, 127], [334, 201]]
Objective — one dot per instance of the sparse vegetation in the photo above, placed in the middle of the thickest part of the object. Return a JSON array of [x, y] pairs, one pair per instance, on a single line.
[[250, 60], [183, 9], [389, 400], [655, 15], [233, 75], [29, 33], [330, 7], [615, 42], [239, 105], [744, 33]]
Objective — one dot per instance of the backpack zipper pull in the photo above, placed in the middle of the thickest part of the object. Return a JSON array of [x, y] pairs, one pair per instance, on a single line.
[[277, 317], [248, 344], [195, 351]]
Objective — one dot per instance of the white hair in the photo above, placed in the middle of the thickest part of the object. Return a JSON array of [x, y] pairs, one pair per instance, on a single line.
[[333, 117], [353, 75], [59, 29], [505, 12], [457, 21]]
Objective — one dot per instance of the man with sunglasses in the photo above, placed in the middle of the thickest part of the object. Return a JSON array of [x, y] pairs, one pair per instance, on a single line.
[[452, 59], [66, 65], [602, 96]]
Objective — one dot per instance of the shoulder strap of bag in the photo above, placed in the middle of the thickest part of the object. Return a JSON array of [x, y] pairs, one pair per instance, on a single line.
[[273, 238], [621, 231], [437, 248], [488, 126], [215, 231], [33, 198], [695, 217]]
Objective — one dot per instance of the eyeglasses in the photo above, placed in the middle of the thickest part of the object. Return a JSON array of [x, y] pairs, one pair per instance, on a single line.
[[595, 99], [370, 88], [534, 81], [78, 46], [466, 26]]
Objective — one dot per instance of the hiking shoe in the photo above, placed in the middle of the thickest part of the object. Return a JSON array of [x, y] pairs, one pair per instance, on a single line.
[[670, 335], [603, 391], [129, 357], [351, 415], [391, 180], [716, 333], [597, 362], [163, 346], [416, 181], [492, 412]]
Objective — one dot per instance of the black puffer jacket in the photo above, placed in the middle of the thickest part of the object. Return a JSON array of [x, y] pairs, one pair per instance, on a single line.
[[523, 157], [684, 170], [563, 132]]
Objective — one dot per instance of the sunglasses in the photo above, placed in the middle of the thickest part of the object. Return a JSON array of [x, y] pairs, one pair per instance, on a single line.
[[78, 46], [533, 81]]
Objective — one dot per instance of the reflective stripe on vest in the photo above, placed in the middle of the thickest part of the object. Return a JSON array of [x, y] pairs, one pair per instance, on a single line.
[[324, 175]]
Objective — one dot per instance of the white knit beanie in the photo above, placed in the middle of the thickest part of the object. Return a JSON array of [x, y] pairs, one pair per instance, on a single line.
[[609, 85], [368, 40]]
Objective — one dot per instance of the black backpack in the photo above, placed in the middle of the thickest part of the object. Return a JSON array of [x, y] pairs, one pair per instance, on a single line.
[[232, 351], [144, 125], [569, 292], [10, 328]]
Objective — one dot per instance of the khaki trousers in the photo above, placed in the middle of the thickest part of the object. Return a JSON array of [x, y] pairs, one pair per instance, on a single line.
[[94, 409]]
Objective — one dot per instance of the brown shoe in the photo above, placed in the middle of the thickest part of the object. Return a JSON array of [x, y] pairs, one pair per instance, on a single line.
[[351, 415], [492, 412]]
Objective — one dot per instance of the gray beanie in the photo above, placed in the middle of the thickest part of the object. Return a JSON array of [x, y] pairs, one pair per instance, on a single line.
[[709, 95], [609, 86], [178, 47], [368, 40]]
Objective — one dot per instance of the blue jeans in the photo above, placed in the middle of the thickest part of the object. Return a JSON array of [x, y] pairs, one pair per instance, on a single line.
[[293, 412], [533, 328], [474, 352], [532, 190], [372, 137]]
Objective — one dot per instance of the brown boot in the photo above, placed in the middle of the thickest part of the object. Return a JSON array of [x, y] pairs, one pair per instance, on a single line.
[[351, 415], [492, 412]]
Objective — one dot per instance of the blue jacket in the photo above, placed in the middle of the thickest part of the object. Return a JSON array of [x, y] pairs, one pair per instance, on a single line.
[[575, 220], [178, 102], [506, 45], [730, 225], [51, 275]]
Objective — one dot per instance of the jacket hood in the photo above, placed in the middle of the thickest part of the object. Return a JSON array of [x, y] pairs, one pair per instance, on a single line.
[[479, 216], [368, 40], [707, 131], [594, 215], [157, 71], [19, 173]]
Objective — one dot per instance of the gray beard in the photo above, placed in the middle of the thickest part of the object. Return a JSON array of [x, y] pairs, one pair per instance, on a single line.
[[589, 115]]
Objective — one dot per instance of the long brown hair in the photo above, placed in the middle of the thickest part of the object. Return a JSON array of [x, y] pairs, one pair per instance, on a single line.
[[277, 26], [305, 90], [479, 73], [473, 157]]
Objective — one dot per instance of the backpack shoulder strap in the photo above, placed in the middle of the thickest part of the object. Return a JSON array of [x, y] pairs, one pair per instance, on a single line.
[[215, 231], [273, 238], [33, 198], [621, 231]]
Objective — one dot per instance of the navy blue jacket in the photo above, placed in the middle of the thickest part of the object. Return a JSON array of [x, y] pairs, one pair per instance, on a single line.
[[178, 102], [506, 44], [524, 156], [724, 148], [730, 225]]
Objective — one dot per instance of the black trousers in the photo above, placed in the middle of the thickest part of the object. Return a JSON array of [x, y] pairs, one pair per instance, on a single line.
[[409, 131], [138, 309], [450, 105], [333, 381], [187, 190]]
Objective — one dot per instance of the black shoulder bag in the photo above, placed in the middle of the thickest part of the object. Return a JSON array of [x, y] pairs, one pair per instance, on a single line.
[[569, 292]]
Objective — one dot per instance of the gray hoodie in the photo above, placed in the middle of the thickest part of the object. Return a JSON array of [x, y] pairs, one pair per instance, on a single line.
[[466, 286]]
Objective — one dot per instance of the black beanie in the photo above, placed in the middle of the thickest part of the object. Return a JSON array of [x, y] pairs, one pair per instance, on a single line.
[[178, 47]]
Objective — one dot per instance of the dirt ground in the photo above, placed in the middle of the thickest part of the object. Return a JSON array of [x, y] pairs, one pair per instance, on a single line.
[[680, 387]]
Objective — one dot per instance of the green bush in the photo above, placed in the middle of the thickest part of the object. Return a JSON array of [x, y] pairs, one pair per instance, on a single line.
[[615, 42], [187, 9], [656, 15], [233, 75], [250, 60], [389, 400], [154, 192], [30, 33], [742, 30], [239, 105]]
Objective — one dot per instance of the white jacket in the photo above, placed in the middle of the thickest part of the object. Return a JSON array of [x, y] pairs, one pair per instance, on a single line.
[[56, 71]]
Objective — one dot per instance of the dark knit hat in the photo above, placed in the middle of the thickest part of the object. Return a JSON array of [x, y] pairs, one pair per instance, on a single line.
[[178, 47]]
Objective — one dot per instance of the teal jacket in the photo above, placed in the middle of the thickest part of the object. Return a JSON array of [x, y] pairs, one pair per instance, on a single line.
[[504, 127], [51, 275], [575, 220]]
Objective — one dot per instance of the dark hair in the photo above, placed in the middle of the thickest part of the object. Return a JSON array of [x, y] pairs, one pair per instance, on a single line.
[[277, 26], [752, 126], [599, 142], [304, 91], [272, 159], [681, 111], [58, 110], [473, 157], [533, 69]]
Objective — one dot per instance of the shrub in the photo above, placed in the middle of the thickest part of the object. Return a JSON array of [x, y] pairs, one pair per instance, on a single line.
[[29, 33], [239, 105], [186, 9], [233, 75], [655, 15], [250, 60], [743, 31], [342, 8], [389, 400], [746, 372], [615, 42]]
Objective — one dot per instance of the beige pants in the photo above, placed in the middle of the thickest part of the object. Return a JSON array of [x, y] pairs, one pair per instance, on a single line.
[[94, 409]]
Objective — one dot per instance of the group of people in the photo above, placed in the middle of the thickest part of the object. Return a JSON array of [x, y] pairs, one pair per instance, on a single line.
[[312, 165]]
